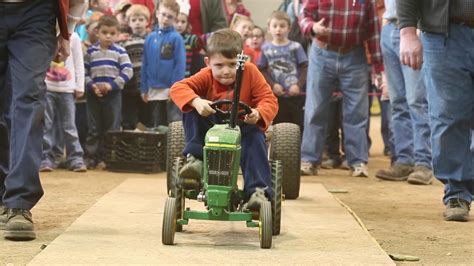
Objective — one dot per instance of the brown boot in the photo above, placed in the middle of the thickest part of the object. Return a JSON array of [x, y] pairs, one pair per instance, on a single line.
[[422, 175], [396, 172], [19, 225], [3, 216]]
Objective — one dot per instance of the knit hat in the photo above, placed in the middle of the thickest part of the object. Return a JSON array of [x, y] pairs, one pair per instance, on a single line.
[[184, 6]]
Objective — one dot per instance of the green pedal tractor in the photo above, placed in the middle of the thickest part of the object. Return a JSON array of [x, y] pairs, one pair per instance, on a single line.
[[218, 189]]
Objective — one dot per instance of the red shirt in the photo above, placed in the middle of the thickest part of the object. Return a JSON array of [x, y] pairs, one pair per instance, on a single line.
[[195, 17], [351, 23]]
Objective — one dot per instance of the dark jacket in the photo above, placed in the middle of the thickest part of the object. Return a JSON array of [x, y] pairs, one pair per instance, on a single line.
[[432, 15], [212, 16]]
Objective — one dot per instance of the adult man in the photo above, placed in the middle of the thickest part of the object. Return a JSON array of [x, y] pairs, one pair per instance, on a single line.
[[27, 44], [410, 123], [206, 16], [447, 56], [340, 29]]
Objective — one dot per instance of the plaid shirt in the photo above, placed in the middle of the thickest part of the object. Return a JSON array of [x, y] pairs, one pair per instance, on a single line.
[[351, 23]]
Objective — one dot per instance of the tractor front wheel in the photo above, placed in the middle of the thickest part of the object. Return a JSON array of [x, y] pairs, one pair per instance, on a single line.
[[265, 225], [169, 222]]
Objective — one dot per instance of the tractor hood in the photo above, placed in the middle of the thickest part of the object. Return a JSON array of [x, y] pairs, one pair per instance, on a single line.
[[223, 134]]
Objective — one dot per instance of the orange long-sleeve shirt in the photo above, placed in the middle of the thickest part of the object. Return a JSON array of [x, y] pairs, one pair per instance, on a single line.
[[255, 92]]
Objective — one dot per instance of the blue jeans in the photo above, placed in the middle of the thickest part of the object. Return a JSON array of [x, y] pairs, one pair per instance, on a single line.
[[103, 114], [27, 44], [253, 159], [325, 69], [61, 107], [410, 123], [449, 70], [164, 112]]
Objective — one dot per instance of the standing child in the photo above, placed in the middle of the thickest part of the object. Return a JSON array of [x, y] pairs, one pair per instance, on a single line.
[[192, 43], [137, 17], [244, 26], [284, 64], [255, 42], [194, 95], [164, 63], [64, 82], [108, 68]]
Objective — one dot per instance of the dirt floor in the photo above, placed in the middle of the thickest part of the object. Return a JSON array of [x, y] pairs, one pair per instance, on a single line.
[[403, 218]]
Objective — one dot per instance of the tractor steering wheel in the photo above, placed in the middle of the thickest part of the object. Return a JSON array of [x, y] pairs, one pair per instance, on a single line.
[[226, 114]]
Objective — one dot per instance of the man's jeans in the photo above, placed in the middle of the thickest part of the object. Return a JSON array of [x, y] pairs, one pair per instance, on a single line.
[[325, 68], [410, 123], [62, 106], [449, 73], [27, 44]]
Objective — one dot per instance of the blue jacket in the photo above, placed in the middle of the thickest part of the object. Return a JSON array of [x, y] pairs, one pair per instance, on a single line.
[[164, 59]]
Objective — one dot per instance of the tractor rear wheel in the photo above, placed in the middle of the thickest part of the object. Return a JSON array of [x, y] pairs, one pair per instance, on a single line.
[[265, 225], [175, 146], [276, 168], [286, 147], [169, 222]]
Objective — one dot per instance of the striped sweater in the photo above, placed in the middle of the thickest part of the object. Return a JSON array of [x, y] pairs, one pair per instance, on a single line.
[[107, 66]]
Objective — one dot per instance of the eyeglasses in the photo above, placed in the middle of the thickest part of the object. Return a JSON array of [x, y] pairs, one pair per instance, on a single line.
[[256, 36], [168, 16]]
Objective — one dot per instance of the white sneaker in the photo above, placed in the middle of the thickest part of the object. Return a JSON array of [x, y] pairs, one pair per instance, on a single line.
[[359, 170], [308, 168]]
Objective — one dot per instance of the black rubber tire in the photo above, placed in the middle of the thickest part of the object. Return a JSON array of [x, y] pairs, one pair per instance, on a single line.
[[286, 147], [175, 146], [169, 222], [265, 228], [177, 192], [277, 176]]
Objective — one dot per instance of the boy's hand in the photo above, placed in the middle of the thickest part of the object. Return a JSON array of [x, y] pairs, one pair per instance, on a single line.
[[278, 89], [253, 117], [202, 106], [97, 90], [104, 88], [78, 94], [145, 97], [294, 90]]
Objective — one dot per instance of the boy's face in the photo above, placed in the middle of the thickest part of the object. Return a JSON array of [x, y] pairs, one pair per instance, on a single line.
[[223, 68], [279, 29], [181, 23], [138, 24], [165, 17], [245, 28], [107, 35], [257, 38]]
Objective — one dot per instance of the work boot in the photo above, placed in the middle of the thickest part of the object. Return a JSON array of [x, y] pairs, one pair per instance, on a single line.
[[192, 169], [359, 170], [308, 168], [19, 225], [396, 172], [3, 216], [256, 199], [422, 175], [457, 210]]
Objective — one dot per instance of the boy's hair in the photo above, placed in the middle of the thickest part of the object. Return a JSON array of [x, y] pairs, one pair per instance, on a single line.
[[171, 4], [109, 21], [237, 19], [280, 15], [226, 42], [260, 29], [138, 10]]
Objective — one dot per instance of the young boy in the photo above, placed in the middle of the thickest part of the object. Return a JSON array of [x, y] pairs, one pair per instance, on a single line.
[[284, 65], [164, 63], [108, 68], [192, 43], [256, 41], [64, 81], [137, 17], [194, 95]]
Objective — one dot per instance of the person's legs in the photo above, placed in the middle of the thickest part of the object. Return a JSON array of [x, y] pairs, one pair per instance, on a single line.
[[449, 69], [354, 86], [93, 124], [129, 111], [173, 113], [74, 152], [320, 85], [47, 163], [30, 43], [111, 112], [333, 141]]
